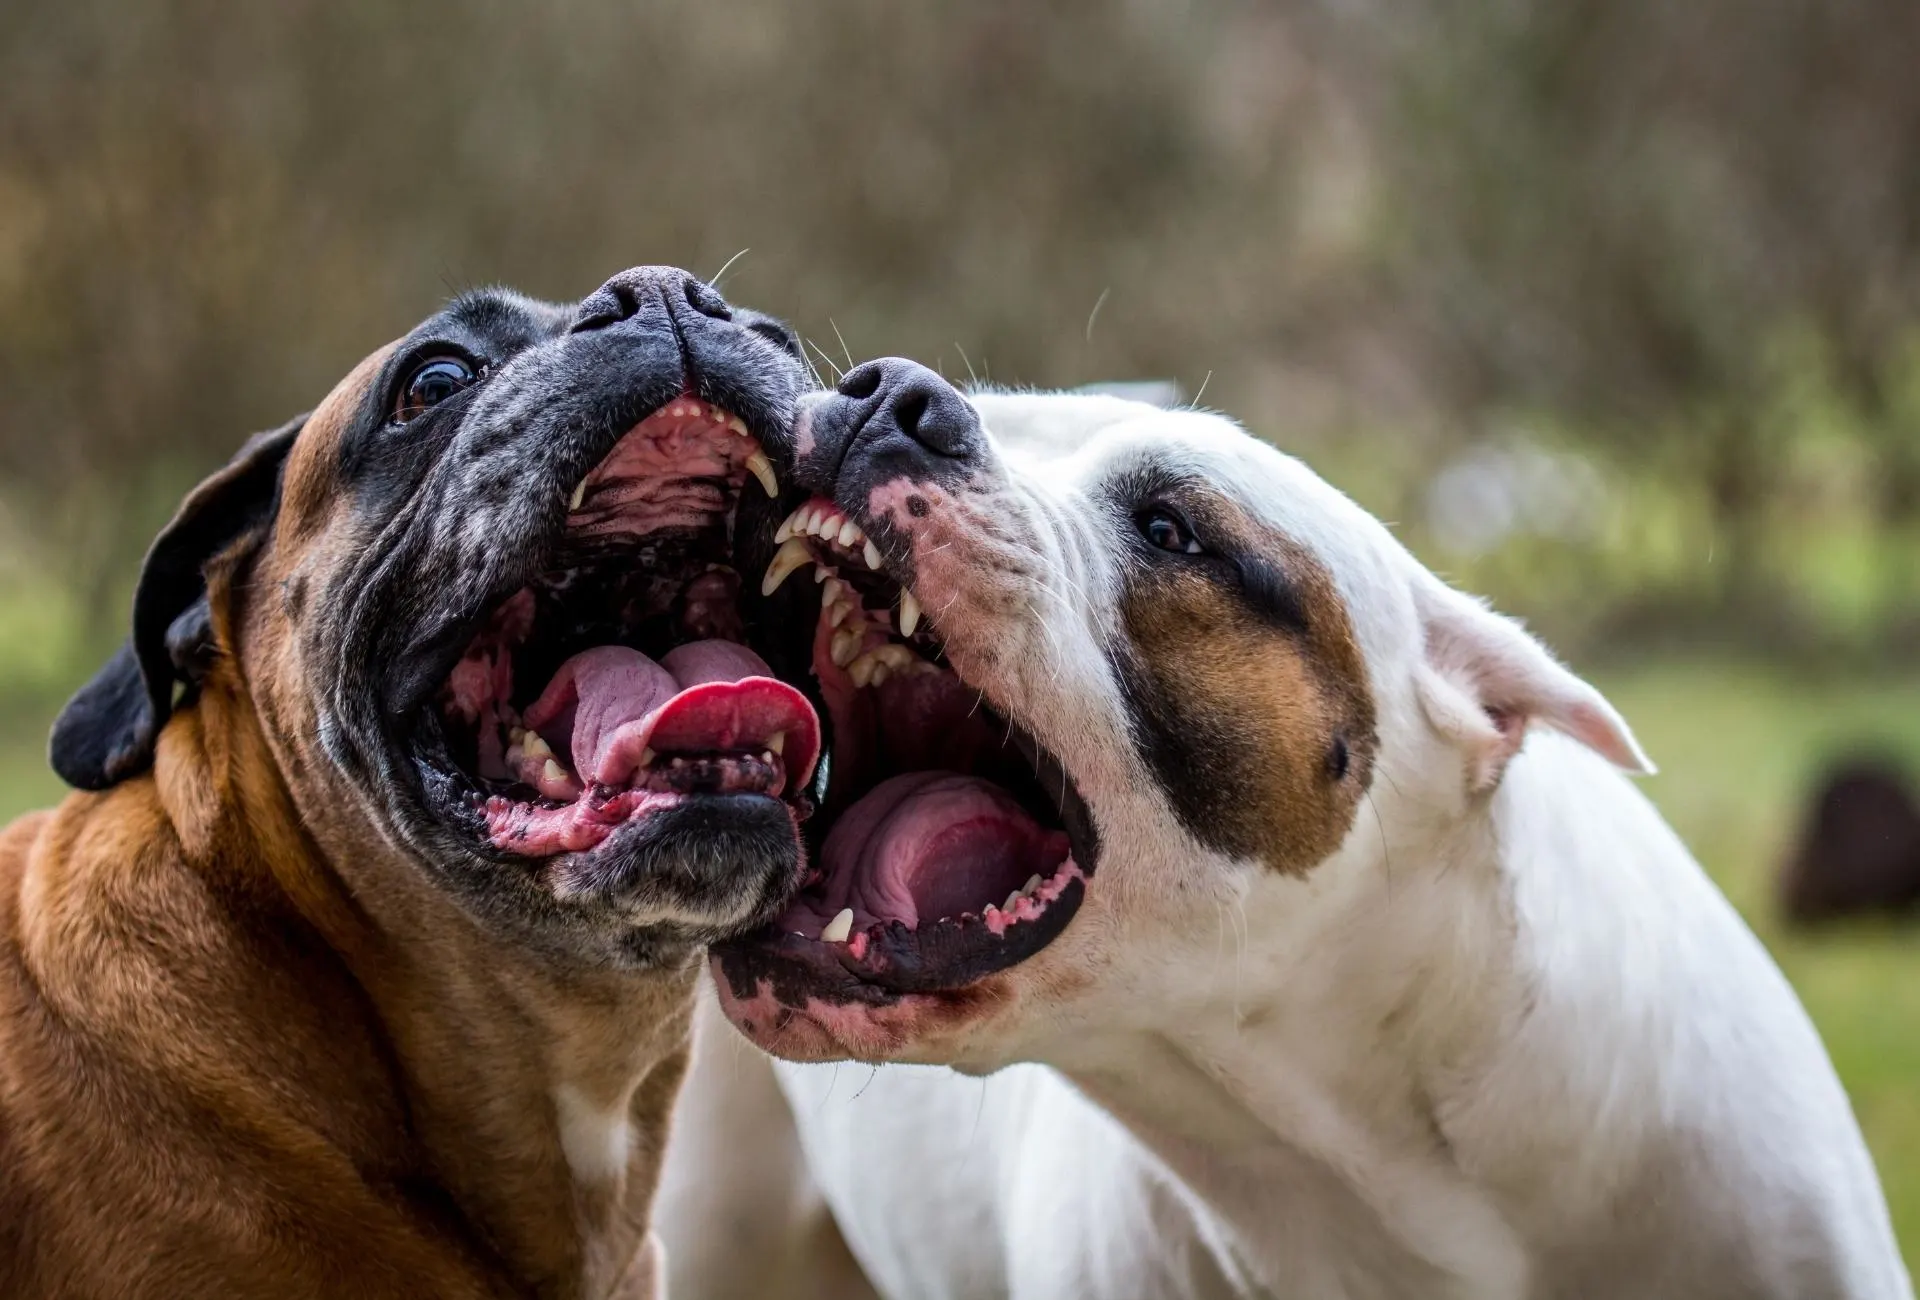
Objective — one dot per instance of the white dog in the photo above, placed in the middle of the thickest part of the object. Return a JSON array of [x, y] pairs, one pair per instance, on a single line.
[[1345, 961]]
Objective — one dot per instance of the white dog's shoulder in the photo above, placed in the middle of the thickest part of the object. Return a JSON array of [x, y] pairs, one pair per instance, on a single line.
[[1365, 970], [1658, 1049]]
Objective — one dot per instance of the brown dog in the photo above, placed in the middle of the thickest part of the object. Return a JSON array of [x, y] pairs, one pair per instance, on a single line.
[[362, 964]]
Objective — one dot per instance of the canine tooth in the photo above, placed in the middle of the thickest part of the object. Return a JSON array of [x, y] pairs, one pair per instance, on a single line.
[[761, 468], [1013, 901], [553, 771], [909, 612], [777, 742], [646, 757], [792, 554], [735, 423], [579, 495], [839, 927], [1033, 882], [846, 644], [848, 532], [873, 556]]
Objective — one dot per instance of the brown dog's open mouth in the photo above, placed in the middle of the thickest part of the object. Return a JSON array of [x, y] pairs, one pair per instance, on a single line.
[[949, 844], [617, 684]]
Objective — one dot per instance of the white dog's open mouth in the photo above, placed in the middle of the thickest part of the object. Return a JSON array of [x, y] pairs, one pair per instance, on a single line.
[[949, 844]]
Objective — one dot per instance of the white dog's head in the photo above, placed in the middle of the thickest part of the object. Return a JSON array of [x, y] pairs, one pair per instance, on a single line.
[[1157, 666]]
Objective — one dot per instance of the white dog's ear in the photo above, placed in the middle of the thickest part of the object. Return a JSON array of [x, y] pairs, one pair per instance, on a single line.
[[1485, 681]]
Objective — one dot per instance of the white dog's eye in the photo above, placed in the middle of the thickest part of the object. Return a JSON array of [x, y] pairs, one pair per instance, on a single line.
[[1167, 530]]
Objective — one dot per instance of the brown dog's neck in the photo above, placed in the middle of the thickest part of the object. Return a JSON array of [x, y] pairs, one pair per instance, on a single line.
[[534, 1100]]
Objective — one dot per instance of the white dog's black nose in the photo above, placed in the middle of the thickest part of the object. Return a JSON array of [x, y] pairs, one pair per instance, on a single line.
[[911, 405]]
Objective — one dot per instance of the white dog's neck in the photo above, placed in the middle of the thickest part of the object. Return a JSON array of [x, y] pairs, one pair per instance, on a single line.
[[1293, 1056]]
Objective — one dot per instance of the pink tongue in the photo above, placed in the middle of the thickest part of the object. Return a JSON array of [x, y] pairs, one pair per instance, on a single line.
[[933, 844], [608, 705]]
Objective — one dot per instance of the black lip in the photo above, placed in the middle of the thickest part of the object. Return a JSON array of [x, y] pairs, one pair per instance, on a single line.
[[734, 830], [946, 957]]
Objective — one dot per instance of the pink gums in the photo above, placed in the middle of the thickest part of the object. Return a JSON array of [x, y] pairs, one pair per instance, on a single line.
[[666, 473]]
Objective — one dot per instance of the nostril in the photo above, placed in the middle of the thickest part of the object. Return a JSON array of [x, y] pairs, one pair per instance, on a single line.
[[705, 301], [861, 382], [612, 303], [910, 410]]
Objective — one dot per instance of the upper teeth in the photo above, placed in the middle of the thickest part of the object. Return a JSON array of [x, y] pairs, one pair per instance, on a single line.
[[909, 612], [579, 495], [829, 525]]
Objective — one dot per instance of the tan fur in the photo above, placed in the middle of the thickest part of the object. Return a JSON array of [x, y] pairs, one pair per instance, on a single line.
[[246, 1049], [1271, 702]]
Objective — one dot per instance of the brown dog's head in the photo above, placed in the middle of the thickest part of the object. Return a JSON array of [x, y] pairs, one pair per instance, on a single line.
[[483, 603]]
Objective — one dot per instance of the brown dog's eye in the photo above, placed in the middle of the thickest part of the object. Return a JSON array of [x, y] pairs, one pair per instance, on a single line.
[[1168, 531], [431, 383]]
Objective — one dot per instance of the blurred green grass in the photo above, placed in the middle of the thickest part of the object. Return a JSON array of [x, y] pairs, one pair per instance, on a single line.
[[1737, 745]]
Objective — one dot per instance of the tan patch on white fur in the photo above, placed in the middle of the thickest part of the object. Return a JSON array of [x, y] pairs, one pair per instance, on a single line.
[[1263, 735]]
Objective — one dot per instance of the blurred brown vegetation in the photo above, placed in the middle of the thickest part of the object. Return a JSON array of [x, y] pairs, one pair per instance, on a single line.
[[1672, 251]]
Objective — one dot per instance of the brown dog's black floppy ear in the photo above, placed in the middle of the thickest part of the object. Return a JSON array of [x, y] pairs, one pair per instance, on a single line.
[[107, 731]]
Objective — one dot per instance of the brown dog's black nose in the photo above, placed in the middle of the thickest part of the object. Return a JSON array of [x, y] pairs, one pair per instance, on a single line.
[[914, 408], [627, 294]]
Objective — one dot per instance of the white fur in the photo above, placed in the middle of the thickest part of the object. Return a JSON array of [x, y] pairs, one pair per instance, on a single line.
[[597, 1140], [1506, 1041]]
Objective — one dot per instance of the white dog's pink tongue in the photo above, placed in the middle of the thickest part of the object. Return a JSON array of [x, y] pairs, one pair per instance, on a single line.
[[609, 705], [934, 844]]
